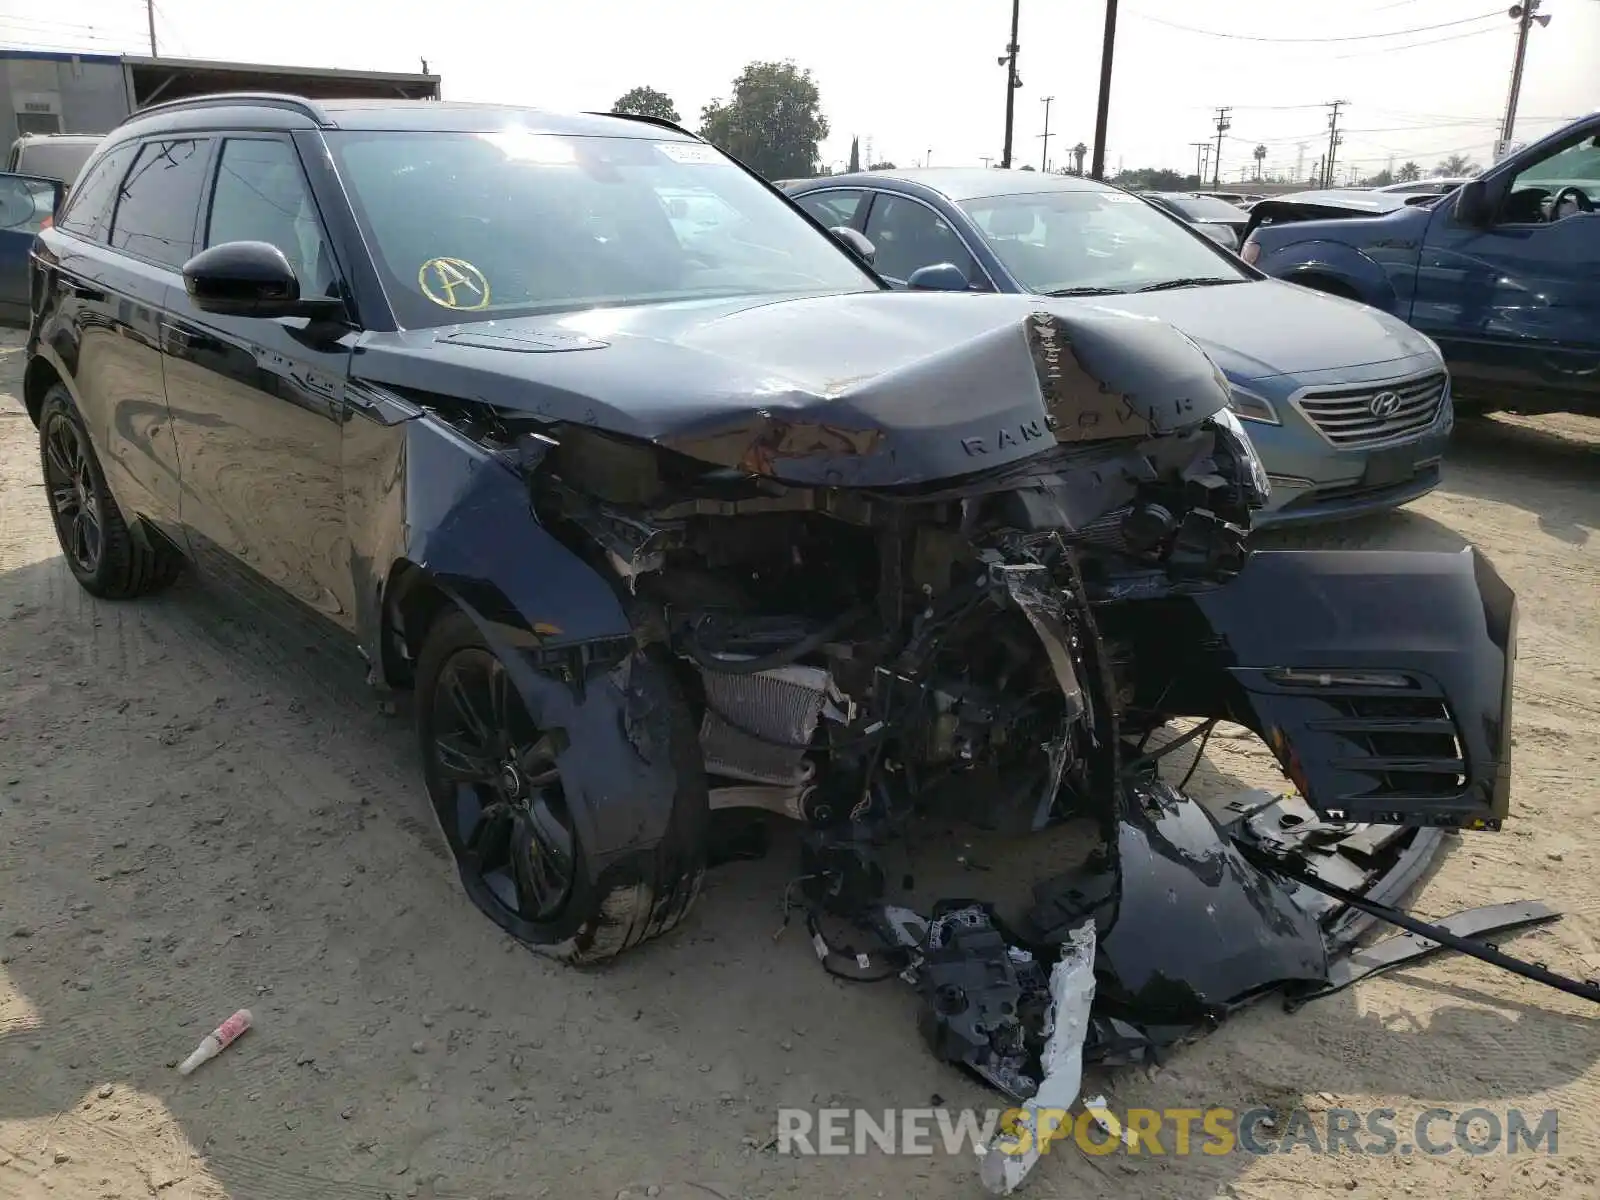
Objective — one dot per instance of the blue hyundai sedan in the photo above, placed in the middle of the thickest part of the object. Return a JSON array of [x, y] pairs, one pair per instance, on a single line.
[[1349, 407]]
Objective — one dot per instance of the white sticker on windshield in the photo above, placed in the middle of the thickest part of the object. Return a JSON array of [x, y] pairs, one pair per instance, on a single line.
[[689, 152]]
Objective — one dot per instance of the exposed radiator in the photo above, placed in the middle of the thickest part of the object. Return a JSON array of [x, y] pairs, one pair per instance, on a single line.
[[776, 714]]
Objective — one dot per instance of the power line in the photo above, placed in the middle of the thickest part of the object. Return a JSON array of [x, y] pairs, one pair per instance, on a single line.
[[1354, 37], [1455, 37]]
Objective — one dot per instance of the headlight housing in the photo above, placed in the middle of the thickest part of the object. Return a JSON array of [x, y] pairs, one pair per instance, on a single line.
[[1248, 406], [1232, 434]]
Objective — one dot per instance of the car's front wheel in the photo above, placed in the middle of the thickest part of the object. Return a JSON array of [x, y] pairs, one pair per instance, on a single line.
[[497, 789], [105, 556]]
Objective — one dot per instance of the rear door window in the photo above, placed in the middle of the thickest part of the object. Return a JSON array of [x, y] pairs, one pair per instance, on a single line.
[[88, 208], [159, 199], [837, 206]]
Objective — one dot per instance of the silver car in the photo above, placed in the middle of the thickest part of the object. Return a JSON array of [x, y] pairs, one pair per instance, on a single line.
[[1349, 407]]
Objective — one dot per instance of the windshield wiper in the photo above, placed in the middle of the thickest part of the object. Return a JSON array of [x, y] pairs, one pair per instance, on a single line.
[[1167, 285], [1086, 291]]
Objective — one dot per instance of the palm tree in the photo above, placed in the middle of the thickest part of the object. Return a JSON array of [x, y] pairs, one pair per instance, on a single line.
[[1409, 173], [1455, 166], [1260, 153], [1078, 152]]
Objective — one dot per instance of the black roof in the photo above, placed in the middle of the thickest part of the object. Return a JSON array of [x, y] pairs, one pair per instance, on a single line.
[[272, 111]]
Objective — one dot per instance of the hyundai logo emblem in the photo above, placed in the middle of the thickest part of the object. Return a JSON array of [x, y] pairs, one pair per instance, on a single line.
[[1384, 404]]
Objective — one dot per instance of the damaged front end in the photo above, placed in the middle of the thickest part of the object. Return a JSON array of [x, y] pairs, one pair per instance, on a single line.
[[854, 653], [907, 599]]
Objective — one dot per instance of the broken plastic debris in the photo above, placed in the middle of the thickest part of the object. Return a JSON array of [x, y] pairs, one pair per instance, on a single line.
[[218, 1040], [1004, 1164]]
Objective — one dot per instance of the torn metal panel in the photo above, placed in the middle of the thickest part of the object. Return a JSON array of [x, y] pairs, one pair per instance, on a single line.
[[1189, 929]]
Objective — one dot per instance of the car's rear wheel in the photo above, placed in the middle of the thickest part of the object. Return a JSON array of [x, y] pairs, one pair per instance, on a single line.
[[496, 786], [103, 554]]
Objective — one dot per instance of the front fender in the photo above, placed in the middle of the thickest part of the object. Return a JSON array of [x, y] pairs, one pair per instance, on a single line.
[[1332, 260], [431, 508], [618, 774]]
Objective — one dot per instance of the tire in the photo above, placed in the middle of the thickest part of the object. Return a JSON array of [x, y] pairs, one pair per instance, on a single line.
[[107, 558], [642, 896]]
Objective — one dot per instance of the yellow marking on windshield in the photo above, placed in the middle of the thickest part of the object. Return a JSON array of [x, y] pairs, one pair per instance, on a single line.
[[453, 283]]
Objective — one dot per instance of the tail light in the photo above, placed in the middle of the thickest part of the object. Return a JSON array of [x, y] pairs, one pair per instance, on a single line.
[[1251, 250]]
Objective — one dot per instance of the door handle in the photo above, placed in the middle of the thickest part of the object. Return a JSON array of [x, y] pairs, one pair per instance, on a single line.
[[176, 340]]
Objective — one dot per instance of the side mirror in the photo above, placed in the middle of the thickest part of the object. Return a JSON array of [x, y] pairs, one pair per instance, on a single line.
[[1222, 235], [1473, 206], [856, 243], [29, 203], [938, 277], [250, 279]]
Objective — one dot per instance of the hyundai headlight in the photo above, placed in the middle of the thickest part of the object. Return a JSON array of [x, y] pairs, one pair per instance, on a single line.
[[1230, 431]]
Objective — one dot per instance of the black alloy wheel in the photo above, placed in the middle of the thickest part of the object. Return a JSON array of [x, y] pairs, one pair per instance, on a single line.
[[74, 494], [106, 556], [497, 790]]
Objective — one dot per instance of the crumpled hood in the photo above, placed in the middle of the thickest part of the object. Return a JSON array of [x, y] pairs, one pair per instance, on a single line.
[[870, 389], [1268, 327]]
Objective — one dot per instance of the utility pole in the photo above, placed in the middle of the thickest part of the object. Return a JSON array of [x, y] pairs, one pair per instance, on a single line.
[[986, 159], [1316, 173], [1223, 125], [928, 160], [1008, 60], [1200, 149], [1044, 155], [150, 15], [1525, 14], [1103, 110], [1333, 141]]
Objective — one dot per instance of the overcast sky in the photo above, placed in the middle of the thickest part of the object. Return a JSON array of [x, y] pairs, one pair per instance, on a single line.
[[920, 76]]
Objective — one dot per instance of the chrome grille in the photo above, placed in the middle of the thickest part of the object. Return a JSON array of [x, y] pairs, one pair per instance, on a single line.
[[1345, 417]]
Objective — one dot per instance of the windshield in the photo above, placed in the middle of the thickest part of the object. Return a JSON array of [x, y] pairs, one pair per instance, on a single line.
[[1204, 208], [467, 226], [1105, 240]]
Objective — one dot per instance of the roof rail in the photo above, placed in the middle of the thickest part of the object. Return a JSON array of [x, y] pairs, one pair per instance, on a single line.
[[300, 104], [662, 122]]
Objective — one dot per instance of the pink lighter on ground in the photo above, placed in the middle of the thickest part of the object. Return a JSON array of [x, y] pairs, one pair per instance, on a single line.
[[215, 1042]]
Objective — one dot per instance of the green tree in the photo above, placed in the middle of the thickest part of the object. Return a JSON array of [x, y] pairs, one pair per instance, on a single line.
[[1409, 173], [1455, 165], [1382, 179], [1155, 179], [647, 102], [881, 166], [773, 122], [855, 155]]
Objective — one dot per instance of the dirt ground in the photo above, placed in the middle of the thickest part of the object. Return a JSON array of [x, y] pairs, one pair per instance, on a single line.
[[198, 813]]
